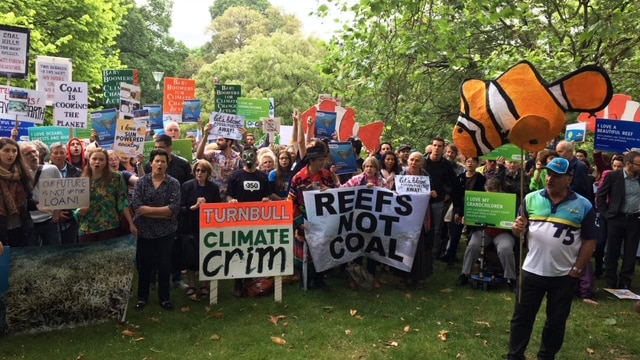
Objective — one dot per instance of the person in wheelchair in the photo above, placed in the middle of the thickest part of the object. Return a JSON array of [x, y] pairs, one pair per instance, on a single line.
[[502, 239]]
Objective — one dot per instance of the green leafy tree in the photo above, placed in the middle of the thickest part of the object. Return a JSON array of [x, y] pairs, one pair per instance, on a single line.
[[411, 56], [145, 45], [83, 31], [283, 66], [220, 6]]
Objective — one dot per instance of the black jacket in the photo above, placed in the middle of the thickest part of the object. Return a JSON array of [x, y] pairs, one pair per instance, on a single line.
[[613, 187], [189, 221]]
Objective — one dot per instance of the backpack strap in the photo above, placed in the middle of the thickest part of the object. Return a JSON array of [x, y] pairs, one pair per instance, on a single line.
[[38, 173]]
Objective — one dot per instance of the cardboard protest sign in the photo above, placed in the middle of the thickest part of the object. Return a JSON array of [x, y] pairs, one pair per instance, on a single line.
[[14, 51], [413, 184], [616, 136], [129, 100], [67, 193], [244, 240], [226, 98], [176, 90], [111, 80], [325, 124], [576, 132], [49, 134], [271, 125], [104, 123], [155, 116], [190, 110], [71, 104], [35, 100], [226, 125], [129, 139], [343, 224], [343, 158], [252, 109], [489, 208], [50, 70]]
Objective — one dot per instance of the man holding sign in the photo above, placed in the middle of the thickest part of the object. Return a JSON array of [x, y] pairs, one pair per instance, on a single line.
[[560, 229]]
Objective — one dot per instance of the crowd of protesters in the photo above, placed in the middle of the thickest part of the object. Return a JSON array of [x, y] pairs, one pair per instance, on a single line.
[[158, 203]]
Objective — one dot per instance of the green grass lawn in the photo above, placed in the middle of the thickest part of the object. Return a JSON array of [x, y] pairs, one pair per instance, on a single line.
[[390, 323]]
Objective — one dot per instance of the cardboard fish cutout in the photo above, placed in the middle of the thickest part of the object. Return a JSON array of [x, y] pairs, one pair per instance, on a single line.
[[621, 107], [346, 125], [521, 108]]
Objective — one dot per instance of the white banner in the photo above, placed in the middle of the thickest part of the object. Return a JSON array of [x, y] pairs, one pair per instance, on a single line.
[[343, 224], [414, 184], [60, 194], [35, 99], [71, 104], [49, 70], [226, 125]]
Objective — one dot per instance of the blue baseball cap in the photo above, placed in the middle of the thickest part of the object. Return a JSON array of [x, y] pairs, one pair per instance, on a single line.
[[559, 166]]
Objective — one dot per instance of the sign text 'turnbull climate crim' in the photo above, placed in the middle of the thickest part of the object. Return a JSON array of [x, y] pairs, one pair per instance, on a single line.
[[246, 240]]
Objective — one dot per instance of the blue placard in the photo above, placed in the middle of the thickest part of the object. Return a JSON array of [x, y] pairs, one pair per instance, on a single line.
[[325, 124], [616, 136], [104, 123], [190, 110], [23, 129], [343, 158], [155, 116]]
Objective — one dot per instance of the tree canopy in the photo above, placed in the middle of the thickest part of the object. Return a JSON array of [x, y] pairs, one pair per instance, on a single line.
[[220, 6], [403, 61]]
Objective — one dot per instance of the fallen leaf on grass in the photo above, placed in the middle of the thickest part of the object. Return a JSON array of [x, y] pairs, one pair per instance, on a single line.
[[446, 291], [138, 339], [128, 332], [359, 317], [328, 308], [407, 329], [273, 319], [506, 298], [155, 320], [79, 357], [185, 309], [390, 344], [194, 297], [442, 335], [483, 323], [409, 296], [590, 351], [207, 309], [217, 315], [353, 312], [590, 302], [215, 337], [610, 321], [347, 332], [278, 340], [485, 342]]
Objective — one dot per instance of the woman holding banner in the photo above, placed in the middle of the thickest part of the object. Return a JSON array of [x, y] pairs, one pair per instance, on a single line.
[[15, 195], [370, 177], [422, 261], [108, 199], [313, 176]]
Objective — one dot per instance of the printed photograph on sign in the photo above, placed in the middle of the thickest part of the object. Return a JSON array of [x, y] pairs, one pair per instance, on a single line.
[[343, 157], [104, 123], [325, 124], [129, 99], [190, 110], [155, 116], [18, 104]]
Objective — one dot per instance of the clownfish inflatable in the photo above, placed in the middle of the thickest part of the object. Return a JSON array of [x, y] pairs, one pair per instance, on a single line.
[[521, 108]]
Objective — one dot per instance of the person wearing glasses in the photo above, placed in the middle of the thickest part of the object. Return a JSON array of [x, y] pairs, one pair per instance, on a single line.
[[193, 193], [622, 211]]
